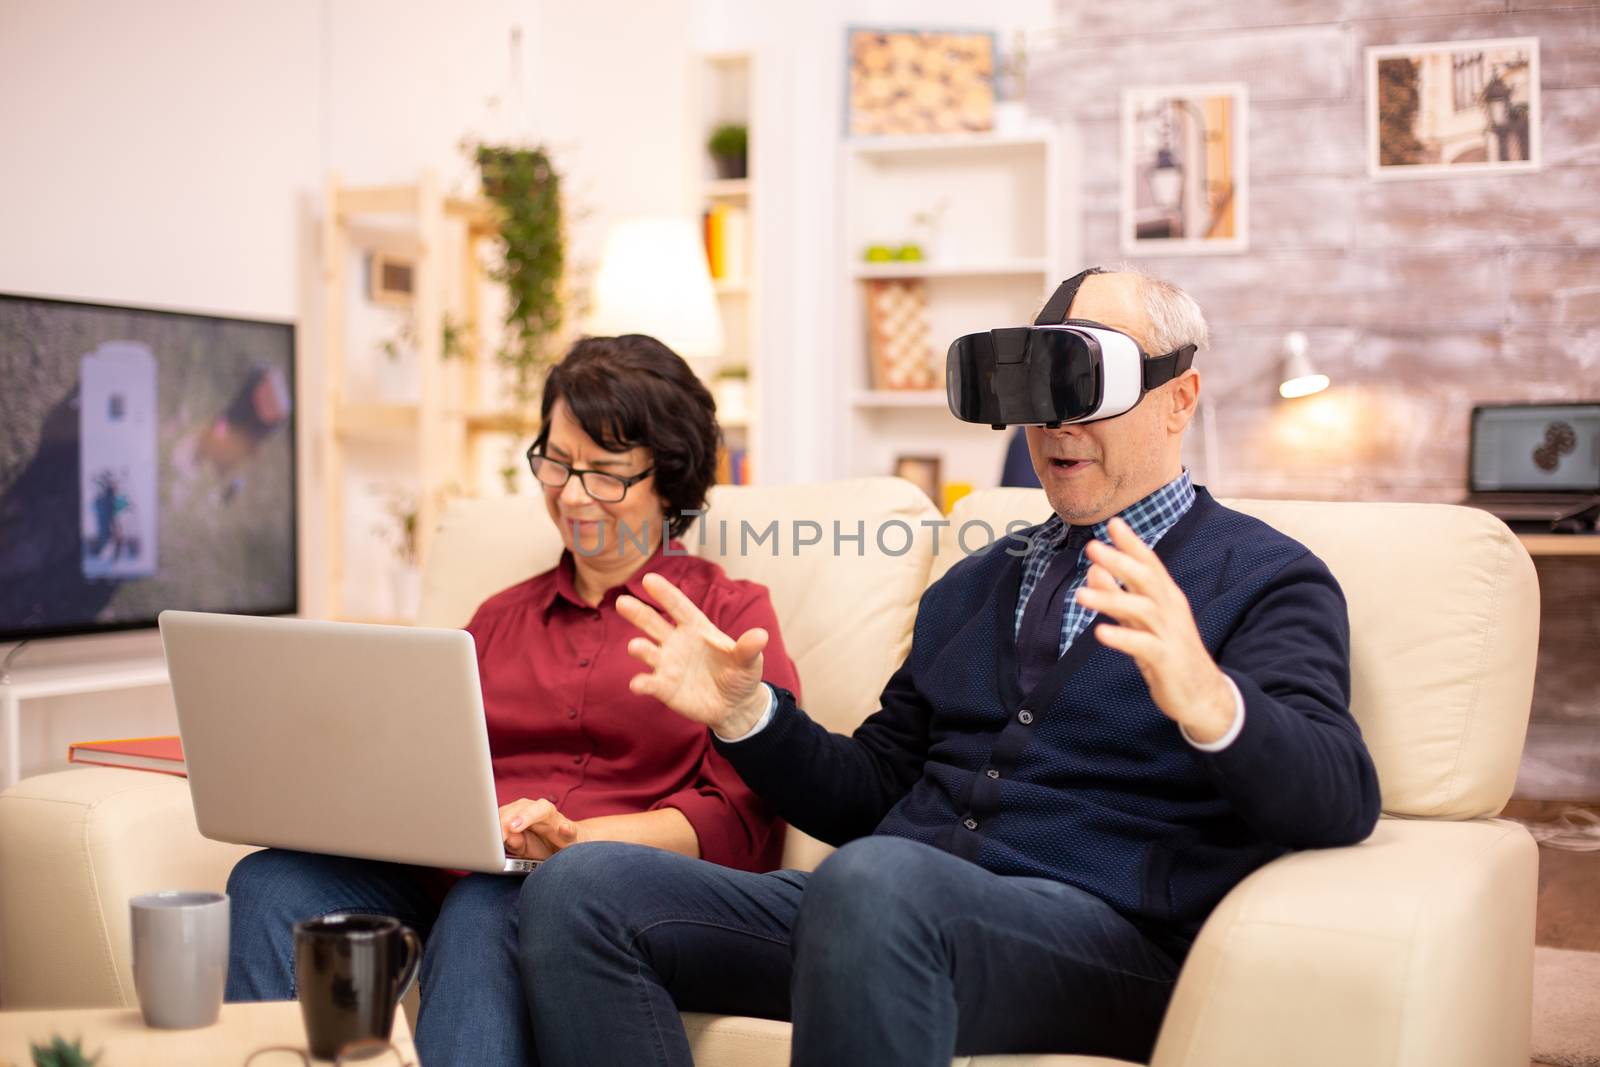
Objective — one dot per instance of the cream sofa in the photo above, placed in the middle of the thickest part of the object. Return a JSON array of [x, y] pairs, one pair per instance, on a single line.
[[1412, 948]]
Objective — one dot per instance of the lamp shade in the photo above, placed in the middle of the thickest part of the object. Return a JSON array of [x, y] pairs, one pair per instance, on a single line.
[[653, 279], [1299, 377]]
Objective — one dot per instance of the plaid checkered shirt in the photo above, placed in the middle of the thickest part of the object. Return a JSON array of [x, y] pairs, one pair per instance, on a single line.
[[1150, 518]]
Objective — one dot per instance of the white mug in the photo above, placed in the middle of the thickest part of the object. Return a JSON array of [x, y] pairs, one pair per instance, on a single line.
[[180, 957]]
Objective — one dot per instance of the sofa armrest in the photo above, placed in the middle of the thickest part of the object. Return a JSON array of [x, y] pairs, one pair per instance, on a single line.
[[1414, 947], [74, 847]]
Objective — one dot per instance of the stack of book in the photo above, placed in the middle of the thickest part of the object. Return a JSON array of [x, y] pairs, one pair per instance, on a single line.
[[164, 754], [733, 466], [727, 240]]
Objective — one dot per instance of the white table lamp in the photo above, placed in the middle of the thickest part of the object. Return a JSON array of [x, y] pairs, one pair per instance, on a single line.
[[654, 279]]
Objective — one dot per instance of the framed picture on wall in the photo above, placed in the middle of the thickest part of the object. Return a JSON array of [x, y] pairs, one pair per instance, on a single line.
[[1453, 107], [1185, 181], [392, 280], [921, 471], [919, 81]]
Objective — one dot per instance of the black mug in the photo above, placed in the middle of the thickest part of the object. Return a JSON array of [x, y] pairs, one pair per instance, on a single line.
[[352, 971]]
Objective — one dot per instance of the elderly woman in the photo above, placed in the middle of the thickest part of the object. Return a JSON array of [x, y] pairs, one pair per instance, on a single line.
[[627, 448]]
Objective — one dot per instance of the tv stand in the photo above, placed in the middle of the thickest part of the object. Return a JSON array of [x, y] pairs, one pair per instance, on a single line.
[[66, 679]]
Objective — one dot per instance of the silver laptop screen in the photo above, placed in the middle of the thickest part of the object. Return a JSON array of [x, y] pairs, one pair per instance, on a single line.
[[1528, 448]]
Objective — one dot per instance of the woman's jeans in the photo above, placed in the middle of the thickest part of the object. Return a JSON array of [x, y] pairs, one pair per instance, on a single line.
[[472, 1003]]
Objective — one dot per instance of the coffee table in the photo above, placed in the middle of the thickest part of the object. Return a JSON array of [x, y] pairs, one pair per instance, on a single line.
[[120, 1033]]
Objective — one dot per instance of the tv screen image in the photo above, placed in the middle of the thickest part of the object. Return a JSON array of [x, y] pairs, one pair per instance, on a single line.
[[147, 461]]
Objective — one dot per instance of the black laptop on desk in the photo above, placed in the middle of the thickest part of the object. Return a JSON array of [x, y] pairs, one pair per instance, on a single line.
[[1536, 467]]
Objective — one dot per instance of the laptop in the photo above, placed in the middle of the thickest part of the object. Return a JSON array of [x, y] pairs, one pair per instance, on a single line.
[[1535, 465], [339, 738]]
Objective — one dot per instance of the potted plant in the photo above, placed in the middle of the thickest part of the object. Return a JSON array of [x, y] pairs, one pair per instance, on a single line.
[[1011, 109], [525, 186], [730, 149]]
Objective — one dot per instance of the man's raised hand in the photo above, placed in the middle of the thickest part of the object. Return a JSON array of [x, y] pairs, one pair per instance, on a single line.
[[694, 668]]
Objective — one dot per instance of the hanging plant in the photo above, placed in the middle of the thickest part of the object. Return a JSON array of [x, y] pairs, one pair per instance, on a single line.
[[524, 185]]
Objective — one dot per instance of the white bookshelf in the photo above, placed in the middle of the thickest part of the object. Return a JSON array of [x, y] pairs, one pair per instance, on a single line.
[[725, 85], [1003, 242]]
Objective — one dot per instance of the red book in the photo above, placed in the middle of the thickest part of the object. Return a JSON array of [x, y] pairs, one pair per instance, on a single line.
[[163, 754]]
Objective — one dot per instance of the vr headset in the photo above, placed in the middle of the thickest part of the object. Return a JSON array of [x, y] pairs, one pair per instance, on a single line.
[[1054, 372]]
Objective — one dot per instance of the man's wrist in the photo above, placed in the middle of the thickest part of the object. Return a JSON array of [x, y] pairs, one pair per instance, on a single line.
[[750, 717], [1217, 713], [1232, 720]]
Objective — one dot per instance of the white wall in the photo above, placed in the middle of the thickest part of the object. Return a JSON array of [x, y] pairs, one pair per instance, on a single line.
[[152, 152]]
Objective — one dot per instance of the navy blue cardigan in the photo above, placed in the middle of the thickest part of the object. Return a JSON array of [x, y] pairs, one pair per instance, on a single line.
[[1084, 780]]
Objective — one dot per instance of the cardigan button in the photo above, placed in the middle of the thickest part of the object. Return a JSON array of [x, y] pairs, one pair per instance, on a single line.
[[970, 824], [992, 773], [1025, 717]]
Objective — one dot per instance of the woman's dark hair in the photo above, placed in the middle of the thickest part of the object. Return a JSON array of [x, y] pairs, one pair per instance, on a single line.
[[633, 390]]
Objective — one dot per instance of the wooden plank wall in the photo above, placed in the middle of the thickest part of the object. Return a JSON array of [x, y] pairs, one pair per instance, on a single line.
[[1420, 297]]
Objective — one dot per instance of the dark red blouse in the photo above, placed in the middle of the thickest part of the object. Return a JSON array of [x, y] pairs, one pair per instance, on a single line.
[[564, 726]]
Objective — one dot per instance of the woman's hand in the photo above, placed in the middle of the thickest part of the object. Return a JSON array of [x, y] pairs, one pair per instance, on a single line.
[[695, 669], [535, 830]]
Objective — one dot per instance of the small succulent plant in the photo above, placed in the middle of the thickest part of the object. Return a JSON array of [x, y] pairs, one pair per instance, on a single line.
[[59, 1053]]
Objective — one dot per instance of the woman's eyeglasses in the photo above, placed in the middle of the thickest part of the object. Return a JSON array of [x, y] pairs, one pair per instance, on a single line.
[[606, 488]]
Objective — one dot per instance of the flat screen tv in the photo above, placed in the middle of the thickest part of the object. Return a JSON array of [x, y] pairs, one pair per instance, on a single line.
[[147, 461]]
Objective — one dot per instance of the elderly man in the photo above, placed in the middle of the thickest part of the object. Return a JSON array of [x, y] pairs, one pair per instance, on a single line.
[[1104, 724]]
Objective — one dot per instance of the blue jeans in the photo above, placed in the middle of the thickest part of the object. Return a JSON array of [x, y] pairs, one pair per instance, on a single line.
[[892, 952], [472, 1009]]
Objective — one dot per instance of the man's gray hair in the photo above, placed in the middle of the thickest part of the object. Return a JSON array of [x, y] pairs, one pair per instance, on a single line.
[[1175, 319]]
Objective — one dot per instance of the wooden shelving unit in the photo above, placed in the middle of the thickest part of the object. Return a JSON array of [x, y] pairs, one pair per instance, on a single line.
[[441, 431]]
